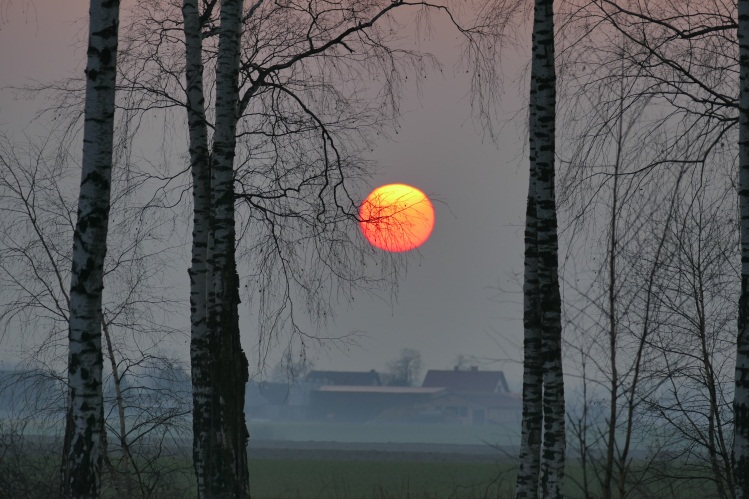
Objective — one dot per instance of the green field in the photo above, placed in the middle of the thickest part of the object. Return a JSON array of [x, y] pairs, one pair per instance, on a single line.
[[277, 479], [30, 467], [35, 477], [364, 479]]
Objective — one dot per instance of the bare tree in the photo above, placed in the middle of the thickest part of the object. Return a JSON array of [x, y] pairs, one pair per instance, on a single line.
[[404, 370], [137, 305], [677, 64], [694, 348]]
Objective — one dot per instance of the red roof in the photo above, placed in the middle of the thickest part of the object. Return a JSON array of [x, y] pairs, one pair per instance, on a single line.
[[472, 380]]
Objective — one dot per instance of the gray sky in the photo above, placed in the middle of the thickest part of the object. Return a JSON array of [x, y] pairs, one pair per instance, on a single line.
[[448, 302]]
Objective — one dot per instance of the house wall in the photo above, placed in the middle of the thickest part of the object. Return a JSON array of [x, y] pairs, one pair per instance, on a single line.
[[358, 406]]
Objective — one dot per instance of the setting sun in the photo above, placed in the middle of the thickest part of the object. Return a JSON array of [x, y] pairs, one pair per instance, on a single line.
[[396, 217]]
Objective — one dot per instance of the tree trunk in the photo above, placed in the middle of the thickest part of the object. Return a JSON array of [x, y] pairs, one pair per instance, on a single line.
[[613, 253], [542, 150], [200, 347], [530, 443], [741, 394], [542, 315], [125, 458], [89, 249], [226, 473]]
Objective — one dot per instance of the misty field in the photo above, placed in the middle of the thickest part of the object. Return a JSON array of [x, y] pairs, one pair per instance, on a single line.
[[31, 471], [375, 479], [302, 431], [284, 479]]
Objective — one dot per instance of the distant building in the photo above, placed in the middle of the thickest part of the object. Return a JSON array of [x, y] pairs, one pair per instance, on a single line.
[[477, 408], [345, 378], [472, 396], [270, 400], [472, 380], [156, 387], [451, 396], [365, 403]]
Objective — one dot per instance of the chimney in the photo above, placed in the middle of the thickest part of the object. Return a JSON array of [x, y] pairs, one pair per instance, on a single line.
[[474, 368]]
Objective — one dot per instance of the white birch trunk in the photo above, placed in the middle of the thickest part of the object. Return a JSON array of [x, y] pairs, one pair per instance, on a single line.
[[201, 179], [545, 308], [542, 150], [741, 395], [228, 475], [89, 249], [529, 465]]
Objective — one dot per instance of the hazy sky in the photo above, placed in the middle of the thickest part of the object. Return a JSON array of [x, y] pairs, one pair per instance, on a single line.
[[448, 302]]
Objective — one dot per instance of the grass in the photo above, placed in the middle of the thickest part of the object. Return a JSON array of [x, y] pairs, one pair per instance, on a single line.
[[336, 479], [327, 479], [29, 469], [273, 479]]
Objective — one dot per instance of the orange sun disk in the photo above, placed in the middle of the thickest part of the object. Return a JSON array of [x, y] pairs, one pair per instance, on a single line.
[[396, 217]]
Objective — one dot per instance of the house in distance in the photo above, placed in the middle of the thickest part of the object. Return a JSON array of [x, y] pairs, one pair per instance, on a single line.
[[446, 396]]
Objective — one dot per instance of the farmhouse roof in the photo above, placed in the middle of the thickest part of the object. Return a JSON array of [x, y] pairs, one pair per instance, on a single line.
[[348, 378], [471, 380]]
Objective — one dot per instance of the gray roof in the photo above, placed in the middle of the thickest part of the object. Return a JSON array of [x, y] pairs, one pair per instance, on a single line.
[[347, 378], [471, 380]]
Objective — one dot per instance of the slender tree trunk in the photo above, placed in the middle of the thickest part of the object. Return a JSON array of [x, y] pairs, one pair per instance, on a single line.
[[228, 474], [124, 464], [530, 439], [200, 347], [741, 394], [542, 150], [611, 438], [613, 253], [542, 315], [89, 249]]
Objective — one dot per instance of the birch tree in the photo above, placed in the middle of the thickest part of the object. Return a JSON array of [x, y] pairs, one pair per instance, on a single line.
[[224, 463], [89, 250], [200, 345], [543, 384]]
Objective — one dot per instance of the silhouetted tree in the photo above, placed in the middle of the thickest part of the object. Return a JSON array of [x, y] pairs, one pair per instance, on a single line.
[[681, 57], [35, 232], [405, 370]]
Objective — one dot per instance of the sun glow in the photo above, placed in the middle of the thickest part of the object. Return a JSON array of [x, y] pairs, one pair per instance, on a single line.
[[396, 217]]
